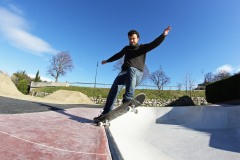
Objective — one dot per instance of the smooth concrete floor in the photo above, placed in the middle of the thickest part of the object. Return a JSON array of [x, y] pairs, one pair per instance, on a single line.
[[179, 133]]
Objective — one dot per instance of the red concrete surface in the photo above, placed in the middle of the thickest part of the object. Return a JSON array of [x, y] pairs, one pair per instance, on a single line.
[[60, 135]]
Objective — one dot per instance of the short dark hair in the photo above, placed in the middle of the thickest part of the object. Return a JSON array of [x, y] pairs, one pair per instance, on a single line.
[[131, 32]]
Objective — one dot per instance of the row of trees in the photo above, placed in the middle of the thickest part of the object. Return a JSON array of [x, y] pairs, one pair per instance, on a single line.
[[210, 77], [160, 79], [62, 63]]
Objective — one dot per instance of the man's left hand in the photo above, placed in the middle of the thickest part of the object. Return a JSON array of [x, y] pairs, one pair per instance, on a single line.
[[166, 31]]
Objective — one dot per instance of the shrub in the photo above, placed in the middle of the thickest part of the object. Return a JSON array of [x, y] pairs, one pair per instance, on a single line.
[[22, 86]]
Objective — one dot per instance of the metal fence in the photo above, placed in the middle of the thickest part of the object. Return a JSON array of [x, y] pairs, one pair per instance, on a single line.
[[104, 85]]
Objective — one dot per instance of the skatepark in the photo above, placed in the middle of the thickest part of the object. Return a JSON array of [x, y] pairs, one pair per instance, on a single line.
[[31, 129], [179, 133]]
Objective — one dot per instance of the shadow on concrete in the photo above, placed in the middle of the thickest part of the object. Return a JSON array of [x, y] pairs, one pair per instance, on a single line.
[[62, 111], [221, 123], [227, 139], [16, 106]]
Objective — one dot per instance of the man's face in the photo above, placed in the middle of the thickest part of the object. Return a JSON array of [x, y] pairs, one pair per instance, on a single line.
[[133, 40]]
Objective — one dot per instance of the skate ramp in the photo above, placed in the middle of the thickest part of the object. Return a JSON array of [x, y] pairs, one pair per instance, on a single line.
[[203, 117], [179, 133]]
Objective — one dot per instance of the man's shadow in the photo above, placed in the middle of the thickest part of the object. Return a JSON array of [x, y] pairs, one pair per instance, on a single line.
[[63, 111]]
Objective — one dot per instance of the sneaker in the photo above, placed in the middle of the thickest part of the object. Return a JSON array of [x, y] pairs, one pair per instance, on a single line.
[[128, 101], [125, 101], [96, 119]]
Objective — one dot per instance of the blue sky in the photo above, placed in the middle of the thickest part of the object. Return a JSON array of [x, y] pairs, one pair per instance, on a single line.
[[205, 36]]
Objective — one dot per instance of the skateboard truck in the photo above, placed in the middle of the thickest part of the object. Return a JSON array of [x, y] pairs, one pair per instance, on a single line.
[[132, 108], [104, 123]]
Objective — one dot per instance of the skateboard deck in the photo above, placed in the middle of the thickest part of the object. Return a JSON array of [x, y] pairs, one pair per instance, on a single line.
[[124, 108]]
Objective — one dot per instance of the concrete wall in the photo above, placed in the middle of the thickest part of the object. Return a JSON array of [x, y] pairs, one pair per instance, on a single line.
[[47, 84]]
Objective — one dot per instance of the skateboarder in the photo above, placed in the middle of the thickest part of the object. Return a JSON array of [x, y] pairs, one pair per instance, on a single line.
[[132, 68]]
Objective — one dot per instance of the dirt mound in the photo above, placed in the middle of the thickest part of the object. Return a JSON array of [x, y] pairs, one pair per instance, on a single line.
[[70, 97], [8, 89]]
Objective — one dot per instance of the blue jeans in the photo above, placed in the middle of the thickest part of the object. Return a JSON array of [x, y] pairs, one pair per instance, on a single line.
[[129, 78]]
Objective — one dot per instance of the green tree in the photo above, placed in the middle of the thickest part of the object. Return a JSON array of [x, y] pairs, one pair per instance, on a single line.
[[22, 81], [22, 86], [37, 77], [20, 75]]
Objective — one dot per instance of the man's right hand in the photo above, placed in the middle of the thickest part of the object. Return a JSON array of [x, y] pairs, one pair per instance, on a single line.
[[104, 62]]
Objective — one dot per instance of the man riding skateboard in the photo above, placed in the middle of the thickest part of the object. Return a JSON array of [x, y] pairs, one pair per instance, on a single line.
[[132, 68]]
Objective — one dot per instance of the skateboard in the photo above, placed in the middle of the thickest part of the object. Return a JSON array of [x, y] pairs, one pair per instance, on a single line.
[[124, 108]]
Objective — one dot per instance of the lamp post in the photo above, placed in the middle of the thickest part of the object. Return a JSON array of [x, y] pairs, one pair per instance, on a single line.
[[96, 76]]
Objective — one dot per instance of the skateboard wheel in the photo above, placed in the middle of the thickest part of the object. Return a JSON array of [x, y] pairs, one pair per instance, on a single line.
[[129, 109], [136, 111], [100, 123]]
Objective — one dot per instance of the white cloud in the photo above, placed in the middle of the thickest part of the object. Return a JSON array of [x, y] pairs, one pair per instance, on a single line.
[[14, 28], [47, 79], [42, 78], [226, 67]]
